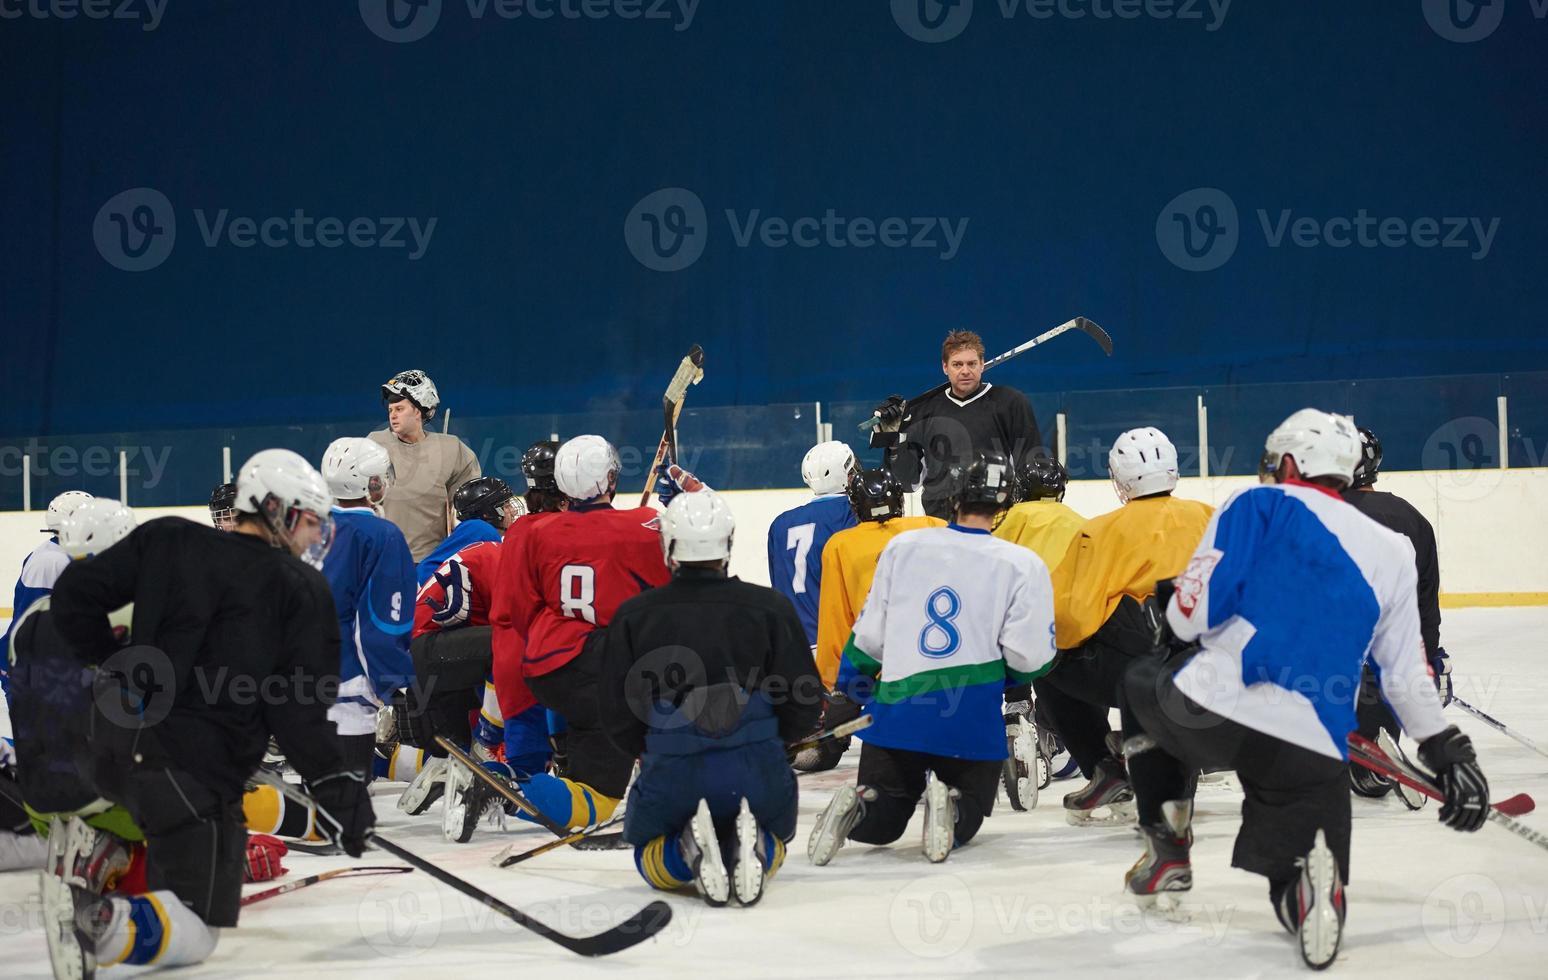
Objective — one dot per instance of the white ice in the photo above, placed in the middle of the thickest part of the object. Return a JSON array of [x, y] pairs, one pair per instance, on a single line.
[[1030, 896]]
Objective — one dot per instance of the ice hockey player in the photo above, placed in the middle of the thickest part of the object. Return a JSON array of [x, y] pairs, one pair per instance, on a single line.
[[927, 439], [706, 679], [1287, 592], [1376, 721], [217, 616], [849, 563], [452, 662], [372, 579], [574, 570], [430, 466], [1099, 589], [223, 506], [48, 709], [42, 566], [797, 537], [1040, 519], [485, 507], [953, 614]]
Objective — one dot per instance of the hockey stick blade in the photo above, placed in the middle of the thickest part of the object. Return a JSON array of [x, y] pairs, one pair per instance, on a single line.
[[291, 886], [636, 929], [839, 731], [690, 371], [1498, 725], [1084, 325], [501, 787], [1370, 755], [511, 856]]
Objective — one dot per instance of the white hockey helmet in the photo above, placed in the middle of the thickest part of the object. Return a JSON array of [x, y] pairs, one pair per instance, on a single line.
[[94, 526], [61, 507], [1142, 462], [697, 527], [356, 468], [1323, 444], [279, 486], [827, 467], [416, 386], [586, 467]]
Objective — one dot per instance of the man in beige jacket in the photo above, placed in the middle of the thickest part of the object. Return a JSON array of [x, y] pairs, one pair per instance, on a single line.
[[428, 466]]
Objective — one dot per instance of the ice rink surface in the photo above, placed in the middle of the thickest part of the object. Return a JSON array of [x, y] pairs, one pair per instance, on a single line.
[[1030, 896]]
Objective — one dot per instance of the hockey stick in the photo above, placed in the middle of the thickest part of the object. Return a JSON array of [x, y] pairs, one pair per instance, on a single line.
[[318, 848], [1498, 725], [690, 371], [636, 929], [291, 886], [506, 858], [838, 731], [1080, 323], [500, 786], [1367, 754]]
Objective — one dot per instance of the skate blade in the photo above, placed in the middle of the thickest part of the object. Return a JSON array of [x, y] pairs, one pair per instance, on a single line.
[[1321, 932], [1107, 815]]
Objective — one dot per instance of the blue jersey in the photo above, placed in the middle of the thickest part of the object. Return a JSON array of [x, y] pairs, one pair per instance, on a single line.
[[371, 573], [796, 540], [462, 535], [39, 571]]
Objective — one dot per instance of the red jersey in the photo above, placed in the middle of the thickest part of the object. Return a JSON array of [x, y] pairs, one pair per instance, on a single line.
[[508, 643], [458, 593], [575, 569]]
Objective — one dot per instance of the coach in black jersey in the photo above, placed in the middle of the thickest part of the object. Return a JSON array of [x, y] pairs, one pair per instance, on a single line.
[[952, 425]]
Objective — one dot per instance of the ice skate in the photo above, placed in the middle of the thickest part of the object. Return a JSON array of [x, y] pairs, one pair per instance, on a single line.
[[835, 822], [1312, 908], [1164, 869], [1106, 799], [426, 787], [701, 850]]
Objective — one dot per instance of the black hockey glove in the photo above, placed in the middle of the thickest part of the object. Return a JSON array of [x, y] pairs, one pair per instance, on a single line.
[[889, 423], [1450, 755], [344, 811]]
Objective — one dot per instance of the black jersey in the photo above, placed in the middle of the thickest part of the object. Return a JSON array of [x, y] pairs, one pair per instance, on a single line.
[[1392, 511], [250, 633], [941, 431], [711, 642]]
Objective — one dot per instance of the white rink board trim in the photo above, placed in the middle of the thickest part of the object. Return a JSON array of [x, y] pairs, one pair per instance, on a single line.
[[1492, 525]]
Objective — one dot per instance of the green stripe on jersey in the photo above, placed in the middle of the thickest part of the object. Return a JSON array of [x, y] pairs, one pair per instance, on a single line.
[[968, 675]]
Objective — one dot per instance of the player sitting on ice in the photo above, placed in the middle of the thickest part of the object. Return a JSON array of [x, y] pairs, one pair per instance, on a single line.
[[1100, 584], [41, 568], [216, 617], [797, 537], [953, 614], [372, 577], [848, 564], [573, 571], [1285, 595], [705, 679], [1375, 718]]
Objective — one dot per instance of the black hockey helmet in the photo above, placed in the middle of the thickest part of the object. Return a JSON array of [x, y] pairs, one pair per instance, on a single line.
[[989, 480], [537, 465], [1040, 477], [1370, 460], [223, 505], [482, 499], [875, 495]]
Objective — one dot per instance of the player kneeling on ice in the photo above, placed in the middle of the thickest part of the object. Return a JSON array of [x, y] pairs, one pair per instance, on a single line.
[[706, 678], [1288, 590], [235, 636], [953, 613]]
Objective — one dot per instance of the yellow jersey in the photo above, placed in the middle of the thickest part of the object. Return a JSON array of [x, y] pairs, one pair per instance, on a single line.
[[1045, 526], [1121, 553], [848, 564]]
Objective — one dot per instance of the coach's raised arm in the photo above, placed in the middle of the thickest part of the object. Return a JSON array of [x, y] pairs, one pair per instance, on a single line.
[[926, 437]]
